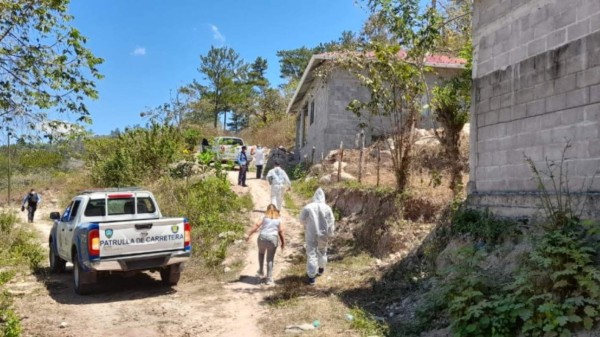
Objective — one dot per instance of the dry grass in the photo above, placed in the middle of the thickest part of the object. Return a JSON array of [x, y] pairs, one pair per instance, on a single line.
[[280, 133], [294, 302]]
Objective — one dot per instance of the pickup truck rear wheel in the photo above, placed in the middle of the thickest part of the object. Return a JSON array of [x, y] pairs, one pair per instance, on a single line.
[[57, 265], [83, 281], [169, 275]]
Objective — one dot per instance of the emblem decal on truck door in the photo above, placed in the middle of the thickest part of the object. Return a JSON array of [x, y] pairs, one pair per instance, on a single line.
[[108, 233]]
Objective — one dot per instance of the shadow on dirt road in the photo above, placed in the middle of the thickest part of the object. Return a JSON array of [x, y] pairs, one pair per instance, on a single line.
[[110, 288]]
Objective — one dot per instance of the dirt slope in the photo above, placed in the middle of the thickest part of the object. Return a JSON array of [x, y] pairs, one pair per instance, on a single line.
[[140, 306]]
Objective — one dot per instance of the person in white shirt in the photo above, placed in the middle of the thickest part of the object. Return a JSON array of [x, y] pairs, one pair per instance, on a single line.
[[271, 229], [279, 182], [259, 160]]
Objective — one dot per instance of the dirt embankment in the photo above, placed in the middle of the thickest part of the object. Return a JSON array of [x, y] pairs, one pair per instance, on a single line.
[[383, 223]]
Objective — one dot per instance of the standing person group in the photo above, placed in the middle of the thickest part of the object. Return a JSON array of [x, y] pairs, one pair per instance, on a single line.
[[279, 182], [31, 201]]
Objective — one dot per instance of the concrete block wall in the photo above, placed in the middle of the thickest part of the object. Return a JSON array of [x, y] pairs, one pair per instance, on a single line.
[[335, 123], [536, 85], [315, 132]]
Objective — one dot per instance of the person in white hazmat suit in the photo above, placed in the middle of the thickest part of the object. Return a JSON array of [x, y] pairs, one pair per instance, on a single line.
[[319, 224], [279, 182]]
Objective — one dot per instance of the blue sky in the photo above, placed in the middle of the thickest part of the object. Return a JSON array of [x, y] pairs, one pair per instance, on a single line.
[[151, 47]]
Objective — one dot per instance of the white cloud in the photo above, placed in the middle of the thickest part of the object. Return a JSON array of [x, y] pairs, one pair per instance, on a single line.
[[139, 51], [217, 34]]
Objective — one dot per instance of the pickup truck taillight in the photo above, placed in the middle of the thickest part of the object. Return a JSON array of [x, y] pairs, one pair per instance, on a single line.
[[187, 235], [94, 242]]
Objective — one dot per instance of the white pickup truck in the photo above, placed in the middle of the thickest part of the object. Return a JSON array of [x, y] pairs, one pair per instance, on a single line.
[[117, 230], [227, 148]]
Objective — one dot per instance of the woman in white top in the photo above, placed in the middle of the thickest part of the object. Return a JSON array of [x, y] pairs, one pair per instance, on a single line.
[[270, 229]]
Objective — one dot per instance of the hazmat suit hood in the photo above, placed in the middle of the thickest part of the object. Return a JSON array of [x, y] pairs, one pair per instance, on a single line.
[[319, 196]]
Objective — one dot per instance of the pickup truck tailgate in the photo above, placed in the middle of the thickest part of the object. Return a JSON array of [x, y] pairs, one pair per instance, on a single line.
[[141, 236]]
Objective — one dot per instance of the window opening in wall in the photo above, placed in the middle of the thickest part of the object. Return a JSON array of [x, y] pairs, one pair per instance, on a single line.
[[312, 112]]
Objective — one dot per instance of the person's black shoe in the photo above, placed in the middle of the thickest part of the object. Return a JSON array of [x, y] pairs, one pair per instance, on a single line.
[[244, 185], [312, 281], [321, 271]]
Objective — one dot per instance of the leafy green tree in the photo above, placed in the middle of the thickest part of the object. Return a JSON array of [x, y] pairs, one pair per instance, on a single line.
[[394, 76], [44, 64], [223, 70], [294, 61]]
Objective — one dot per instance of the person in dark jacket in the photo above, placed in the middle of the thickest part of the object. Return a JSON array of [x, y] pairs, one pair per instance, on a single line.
[[31, 201], [242, 160]]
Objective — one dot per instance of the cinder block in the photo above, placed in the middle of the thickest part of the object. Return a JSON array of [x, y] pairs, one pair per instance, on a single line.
[[536, 47], [595, 94], [593, 147], [551, 120], [485, 159], [518, 54], [572, 116], [577, 97], [565, 83], [535, 108], [524, 95], [556, 102], [491, 117], [523, 140], [561, 134], [543, 90], [592, 112], [481, 119], [531, 124], [592, 44], [566, 17], [586, 131], [482, 107], [578, 30], [587, 77], [587, 167], [484, 68], [499, 158], [495, 103], [595, 23], [553, 152], [543, 137], [504, 115], [519, 111], [587, 8], [502, 60]]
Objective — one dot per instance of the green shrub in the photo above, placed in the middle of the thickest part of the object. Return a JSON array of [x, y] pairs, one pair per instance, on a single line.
[[480, 225], [213, 210], [366, 324], [306, 188], [135, 156]]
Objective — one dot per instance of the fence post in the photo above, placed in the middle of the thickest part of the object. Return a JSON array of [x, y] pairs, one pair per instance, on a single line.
[[360, 159], [378, 163], [340, 159]]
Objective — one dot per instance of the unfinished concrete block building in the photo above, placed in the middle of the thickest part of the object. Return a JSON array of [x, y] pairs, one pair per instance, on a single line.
[[536, 85]]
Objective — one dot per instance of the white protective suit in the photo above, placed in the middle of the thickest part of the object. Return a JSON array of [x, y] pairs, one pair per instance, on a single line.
[[279, 182], [319, 224]]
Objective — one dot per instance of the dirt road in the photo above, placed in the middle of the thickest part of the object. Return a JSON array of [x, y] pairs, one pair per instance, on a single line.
[[140, 306]]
